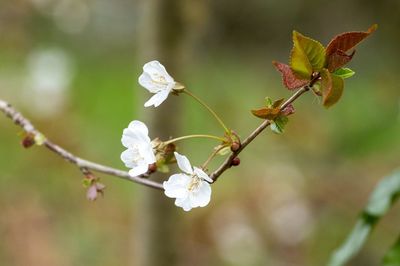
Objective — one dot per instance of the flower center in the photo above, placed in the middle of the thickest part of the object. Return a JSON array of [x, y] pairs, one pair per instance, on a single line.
[[195, 183], [136, 156], [158, 79]]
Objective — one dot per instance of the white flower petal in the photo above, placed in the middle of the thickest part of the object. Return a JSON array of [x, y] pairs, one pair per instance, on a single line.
[[177, 186], [183, 163], [149, 84], [139, 169], [127, 157], [148, 154], [158, 98], [155, 69], [200, 173], [202, 196], [131, 138], [184, 203], [138, 126]]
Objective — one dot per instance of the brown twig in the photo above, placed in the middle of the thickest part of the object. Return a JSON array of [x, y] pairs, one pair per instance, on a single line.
[[27, 126]]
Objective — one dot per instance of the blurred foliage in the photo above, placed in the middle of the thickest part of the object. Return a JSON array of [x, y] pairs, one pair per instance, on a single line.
[[382, 198]]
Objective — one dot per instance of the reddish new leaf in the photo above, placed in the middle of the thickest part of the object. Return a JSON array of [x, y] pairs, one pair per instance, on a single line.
[[266, 113], [338, 59], [289, 80], [273, 110], [332, 88], [348, 40], [277, 103], [288, 110]]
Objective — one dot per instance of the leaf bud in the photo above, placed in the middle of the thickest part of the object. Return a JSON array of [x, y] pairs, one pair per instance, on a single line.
[[235, 161], [28, 141], [235, 146]]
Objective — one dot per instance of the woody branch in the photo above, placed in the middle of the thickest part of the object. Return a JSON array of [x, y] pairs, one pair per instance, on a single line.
[[84, 165]]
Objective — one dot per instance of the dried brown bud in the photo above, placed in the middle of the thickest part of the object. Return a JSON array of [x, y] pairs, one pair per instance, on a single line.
[[152, 168], [169, 149], [235, 146], [28, 141], [235, 161]]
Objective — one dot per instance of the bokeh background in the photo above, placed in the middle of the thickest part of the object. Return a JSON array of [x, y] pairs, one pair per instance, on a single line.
[[72, 65]]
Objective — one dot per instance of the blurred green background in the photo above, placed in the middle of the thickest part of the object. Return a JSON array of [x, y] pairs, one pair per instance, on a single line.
[[72, 65]]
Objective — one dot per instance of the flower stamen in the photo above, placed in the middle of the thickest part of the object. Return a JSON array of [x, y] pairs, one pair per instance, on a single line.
[[195, 183]]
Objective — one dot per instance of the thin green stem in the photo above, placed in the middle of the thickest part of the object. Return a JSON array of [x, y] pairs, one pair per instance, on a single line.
[[212, 155], [209, 109], [194, 136]]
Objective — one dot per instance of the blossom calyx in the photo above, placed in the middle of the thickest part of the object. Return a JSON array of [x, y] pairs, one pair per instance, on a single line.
[[178, 88]]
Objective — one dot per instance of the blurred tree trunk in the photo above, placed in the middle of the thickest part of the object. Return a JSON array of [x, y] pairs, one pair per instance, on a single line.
[[157, 229]]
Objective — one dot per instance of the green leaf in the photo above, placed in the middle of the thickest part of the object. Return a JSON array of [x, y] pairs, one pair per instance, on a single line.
[[162, 165], [307, 56], [392, 257], [380, 201], [383, 195], [332, 88], [278, 125], [277, 103], [163, 168], [224, 151], [268, 102], [354, 242], [344, 72], [86, 182]]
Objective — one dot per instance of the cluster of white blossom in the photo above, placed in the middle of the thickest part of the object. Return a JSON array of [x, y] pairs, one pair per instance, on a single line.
[[192, 187]]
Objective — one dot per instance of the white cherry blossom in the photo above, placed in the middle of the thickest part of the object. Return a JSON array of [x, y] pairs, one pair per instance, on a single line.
[[156, 80], [139, 153], [190, 188]]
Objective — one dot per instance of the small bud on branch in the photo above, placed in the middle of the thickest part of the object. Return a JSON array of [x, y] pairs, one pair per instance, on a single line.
[[28, 141], [235, 161]]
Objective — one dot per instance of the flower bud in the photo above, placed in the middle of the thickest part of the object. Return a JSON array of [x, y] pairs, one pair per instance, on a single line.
[[94, 191], [152, 168], [235, 161], [235, 146], [28, 141]]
